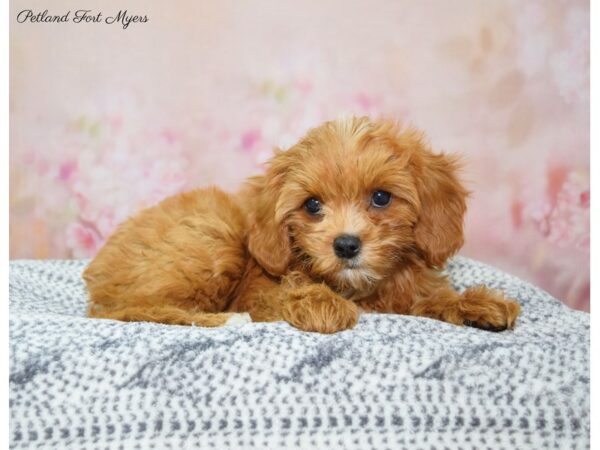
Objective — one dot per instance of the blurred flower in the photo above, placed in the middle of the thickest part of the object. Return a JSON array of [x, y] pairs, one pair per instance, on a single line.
[[114, 173], [83, 240], [563, 217]]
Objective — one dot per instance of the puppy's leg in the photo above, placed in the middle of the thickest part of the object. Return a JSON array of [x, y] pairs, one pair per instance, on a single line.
[[478, 307], [315, 307], [297, 300], [168, 315]]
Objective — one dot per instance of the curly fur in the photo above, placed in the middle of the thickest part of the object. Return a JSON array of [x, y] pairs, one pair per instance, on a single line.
[[200, 256]]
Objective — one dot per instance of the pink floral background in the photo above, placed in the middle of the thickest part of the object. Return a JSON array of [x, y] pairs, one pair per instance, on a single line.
[[105, 121]]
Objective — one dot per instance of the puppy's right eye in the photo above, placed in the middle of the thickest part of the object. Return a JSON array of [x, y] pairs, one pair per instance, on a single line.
[[312, 206]]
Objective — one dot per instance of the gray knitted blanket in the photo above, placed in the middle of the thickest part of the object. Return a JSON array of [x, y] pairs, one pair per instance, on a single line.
[[392, 382]]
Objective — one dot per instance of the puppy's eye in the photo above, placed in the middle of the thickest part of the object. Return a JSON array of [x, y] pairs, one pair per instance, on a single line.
[[381, 199], [312, 206]]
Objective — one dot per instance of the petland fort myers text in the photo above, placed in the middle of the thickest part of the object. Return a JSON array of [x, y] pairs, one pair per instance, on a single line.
[[123, 17]]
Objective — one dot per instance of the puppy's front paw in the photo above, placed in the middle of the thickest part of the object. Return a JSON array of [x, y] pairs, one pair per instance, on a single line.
[[318, 308], [487, 309]]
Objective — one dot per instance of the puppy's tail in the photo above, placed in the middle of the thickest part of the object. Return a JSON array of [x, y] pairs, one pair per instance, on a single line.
[[170, 315]]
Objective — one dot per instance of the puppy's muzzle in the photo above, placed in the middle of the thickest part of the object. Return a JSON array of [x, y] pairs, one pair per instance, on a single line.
[[346, 246]]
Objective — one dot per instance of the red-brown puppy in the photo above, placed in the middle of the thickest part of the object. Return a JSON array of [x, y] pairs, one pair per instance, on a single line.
[[358, 216]]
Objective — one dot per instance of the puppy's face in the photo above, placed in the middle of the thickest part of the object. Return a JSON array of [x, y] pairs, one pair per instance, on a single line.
[[354, 201], [350, 206]]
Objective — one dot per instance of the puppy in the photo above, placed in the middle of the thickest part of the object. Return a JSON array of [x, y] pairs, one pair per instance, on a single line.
[[357, 216]]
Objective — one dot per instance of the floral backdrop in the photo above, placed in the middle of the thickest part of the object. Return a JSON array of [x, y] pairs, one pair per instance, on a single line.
[[106, 120]]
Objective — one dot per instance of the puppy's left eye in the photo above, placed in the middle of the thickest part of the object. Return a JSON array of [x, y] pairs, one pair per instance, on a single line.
[[381, 199]]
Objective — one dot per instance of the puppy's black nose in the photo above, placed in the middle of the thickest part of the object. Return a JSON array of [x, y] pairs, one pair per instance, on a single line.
[[346, 246]]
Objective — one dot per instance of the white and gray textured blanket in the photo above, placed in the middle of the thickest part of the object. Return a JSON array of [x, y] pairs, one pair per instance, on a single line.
[[392, 382]]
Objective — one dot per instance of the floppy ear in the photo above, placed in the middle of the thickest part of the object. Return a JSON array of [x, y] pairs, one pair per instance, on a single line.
[[439, 229], [268, 238]]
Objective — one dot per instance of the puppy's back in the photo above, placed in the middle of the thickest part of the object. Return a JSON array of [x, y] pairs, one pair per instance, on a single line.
[[188, 251]]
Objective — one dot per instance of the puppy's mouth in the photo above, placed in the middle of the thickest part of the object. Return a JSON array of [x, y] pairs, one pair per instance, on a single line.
[[355, 280], [353, 268], [352, 264]]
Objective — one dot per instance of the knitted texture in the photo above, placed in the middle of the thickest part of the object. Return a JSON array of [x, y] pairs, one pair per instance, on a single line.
[[391, 382]]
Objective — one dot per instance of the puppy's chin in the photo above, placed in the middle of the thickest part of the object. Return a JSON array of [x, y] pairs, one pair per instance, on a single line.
[[354, 280]]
